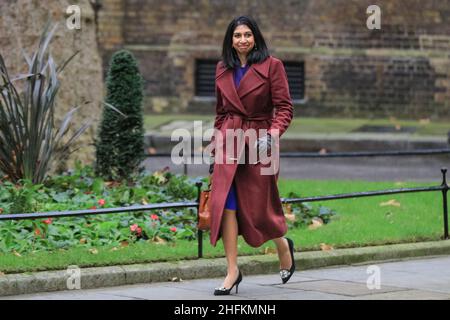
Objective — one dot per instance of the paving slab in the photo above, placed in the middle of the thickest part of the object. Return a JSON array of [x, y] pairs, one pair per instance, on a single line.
[[426, 274], [346, 288]]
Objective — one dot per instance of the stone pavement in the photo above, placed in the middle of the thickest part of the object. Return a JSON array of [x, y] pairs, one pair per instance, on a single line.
[[420, 278]]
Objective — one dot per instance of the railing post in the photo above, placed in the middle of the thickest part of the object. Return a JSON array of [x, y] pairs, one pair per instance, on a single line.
[[444, 195], [184, 163], [199, 232]]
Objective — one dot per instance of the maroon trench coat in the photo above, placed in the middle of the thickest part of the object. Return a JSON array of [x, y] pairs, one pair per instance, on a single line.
[[262, 100]]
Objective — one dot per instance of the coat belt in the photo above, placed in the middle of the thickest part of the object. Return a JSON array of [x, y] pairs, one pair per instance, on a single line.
[[239, 118]]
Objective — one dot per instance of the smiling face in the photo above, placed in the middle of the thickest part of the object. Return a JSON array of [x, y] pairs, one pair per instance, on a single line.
[[243, 39]]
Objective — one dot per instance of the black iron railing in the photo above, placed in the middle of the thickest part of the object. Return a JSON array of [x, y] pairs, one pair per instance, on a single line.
[[443, 187]]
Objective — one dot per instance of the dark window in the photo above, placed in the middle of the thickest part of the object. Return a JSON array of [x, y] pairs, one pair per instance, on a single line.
[[205, 72], [296, 79]]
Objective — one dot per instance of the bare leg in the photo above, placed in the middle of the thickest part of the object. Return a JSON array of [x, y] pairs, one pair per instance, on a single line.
[[283, 253], [229, 237]]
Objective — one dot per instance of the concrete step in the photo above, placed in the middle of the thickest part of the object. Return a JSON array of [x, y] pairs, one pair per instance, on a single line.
[[335, 142]]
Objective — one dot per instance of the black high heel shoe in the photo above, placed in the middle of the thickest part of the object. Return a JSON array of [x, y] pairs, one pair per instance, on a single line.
[[222, 291], [285, 273]]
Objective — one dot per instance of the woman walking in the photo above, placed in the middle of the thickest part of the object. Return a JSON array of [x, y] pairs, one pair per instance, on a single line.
[[252, 94]]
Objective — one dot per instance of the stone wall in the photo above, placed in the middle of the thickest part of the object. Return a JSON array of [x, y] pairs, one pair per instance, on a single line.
[[21, 24], [401, 70]]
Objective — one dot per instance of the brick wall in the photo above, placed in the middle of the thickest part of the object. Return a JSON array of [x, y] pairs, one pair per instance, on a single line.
[[401, 70]]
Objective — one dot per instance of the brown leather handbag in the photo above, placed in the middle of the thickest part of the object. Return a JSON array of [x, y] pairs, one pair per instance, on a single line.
[[204, 215]]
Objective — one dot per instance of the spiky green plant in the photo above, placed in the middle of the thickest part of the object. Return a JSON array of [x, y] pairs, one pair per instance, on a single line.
[[30, 141]]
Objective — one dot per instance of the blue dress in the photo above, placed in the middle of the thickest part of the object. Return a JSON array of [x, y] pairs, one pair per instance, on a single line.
[[231, 202]]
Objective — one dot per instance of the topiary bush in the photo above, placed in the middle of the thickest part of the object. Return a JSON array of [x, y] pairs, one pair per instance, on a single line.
[[120, 142]]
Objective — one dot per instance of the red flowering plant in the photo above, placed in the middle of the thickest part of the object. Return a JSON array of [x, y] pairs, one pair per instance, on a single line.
[[81, 189]]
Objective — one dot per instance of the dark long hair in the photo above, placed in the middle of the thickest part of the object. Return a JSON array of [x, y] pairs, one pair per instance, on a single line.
[[229, 54]]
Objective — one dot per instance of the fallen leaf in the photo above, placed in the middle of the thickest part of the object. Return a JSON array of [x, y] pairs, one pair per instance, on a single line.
[[287, 207], [290, 217], [176, 279], [325, 247], [391, 202], [93, 251], [315, 223], [124, 244], [269, 250], [160, 177], [16, 253], [158, 240], [82, 241]]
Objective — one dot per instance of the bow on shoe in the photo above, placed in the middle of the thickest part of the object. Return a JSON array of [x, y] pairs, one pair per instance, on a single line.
[[284, 274], [222, 291]]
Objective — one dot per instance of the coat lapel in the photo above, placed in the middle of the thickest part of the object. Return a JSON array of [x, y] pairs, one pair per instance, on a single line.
[[253, 79], [225, 82]]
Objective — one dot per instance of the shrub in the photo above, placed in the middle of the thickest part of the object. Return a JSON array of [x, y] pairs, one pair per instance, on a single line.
[[120, 143]]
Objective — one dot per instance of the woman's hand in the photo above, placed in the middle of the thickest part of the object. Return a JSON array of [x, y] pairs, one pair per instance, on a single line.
[[264, 145]]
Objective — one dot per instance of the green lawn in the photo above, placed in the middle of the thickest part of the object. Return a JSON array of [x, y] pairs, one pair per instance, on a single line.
[[360, 222], [363, 221], [333, 125], [153, 121], [318, 125]]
